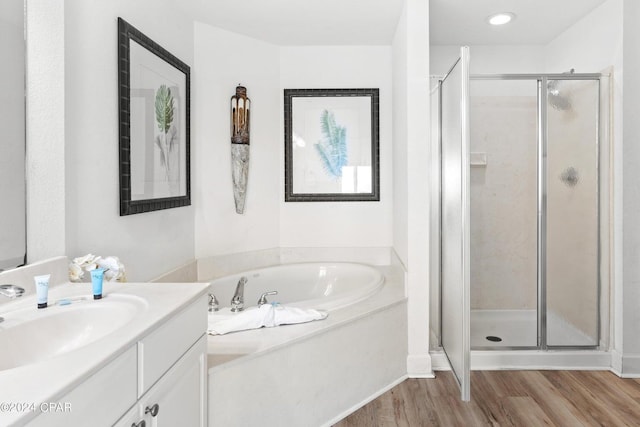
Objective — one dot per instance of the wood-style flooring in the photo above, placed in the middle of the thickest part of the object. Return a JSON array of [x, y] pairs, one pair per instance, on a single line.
[[507, 398]]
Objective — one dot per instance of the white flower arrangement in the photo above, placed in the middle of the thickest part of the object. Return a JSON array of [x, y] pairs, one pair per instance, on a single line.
[[113, 268]]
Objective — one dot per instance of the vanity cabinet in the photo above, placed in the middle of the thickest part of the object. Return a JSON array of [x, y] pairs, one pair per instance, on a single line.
[[103, 396], [178, 398], [161, 380]]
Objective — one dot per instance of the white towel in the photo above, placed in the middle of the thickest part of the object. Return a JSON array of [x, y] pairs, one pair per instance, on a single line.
[[268, 315]]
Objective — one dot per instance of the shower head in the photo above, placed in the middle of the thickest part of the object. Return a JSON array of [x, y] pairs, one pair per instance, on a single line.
[[556, 99]]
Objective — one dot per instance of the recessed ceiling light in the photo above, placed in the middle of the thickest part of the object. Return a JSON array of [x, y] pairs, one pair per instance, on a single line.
[[501, 18]]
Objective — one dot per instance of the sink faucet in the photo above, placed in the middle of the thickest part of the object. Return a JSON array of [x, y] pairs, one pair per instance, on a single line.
[[11, 291], [237, 302]]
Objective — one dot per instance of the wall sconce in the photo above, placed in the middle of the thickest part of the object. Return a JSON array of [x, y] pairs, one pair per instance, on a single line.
[[240, 106]]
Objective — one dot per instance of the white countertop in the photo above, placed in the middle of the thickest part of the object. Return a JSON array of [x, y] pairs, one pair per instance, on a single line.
[[49, 379]]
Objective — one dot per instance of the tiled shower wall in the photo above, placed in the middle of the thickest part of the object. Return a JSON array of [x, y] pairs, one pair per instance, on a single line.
[[504, 202]]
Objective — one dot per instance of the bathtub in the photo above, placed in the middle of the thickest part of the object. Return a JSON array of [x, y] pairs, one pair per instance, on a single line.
[[326, 286], [313, 373]]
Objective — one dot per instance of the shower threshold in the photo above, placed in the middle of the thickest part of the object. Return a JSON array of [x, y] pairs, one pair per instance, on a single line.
[[488, 360]]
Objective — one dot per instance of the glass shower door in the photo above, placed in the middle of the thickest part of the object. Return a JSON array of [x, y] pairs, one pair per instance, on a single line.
[[572, 227], [504, 212], [455, 221]]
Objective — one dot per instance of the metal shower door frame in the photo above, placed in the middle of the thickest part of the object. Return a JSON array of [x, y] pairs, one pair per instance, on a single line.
[[457, 341], [542, 143]]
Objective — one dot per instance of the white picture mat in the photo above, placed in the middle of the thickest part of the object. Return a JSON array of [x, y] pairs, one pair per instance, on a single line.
[[309, 174], [148, 175]]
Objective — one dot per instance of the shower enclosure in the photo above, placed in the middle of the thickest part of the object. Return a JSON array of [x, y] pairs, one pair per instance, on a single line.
[[523, 214]]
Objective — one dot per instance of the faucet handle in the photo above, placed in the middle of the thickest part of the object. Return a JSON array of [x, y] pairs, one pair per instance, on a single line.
[[213, 303], [263, 298]]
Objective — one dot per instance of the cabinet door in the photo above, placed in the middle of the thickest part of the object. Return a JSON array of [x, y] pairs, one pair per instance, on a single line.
[[161, 348], [179, 398], [133, 418], [102, 398]]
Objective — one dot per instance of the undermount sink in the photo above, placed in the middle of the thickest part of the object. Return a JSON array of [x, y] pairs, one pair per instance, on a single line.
[[29, 335]]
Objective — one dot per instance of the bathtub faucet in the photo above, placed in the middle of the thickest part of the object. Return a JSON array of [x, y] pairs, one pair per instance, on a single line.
[[237, 302]]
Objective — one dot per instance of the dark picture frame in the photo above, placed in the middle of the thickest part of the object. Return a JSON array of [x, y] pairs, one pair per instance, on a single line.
[[154, 125], [332, 145]]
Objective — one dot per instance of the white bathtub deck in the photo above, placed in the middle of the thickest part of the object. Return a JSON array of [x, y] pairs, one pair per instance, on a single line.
[[296, 374], [223, 349]]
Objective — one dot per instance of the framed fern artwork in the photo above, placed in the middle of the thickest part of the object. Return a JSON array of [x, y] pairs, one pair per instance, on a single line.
[[154, 128], [331, 145]]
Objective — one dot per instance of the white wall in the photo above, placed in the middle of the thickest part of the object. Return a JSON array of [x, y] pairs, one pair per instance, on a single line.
[[149, 243], [12, 123], [628, 292], [153, 243], [411, 173], [223, 60], [352, 224], [506, 59], [400, 136], [45, 130], [591, 44]]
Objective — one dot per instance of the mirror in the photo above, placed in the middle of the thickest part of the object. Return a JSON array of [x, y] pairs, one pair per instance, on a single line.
[[12, 137]]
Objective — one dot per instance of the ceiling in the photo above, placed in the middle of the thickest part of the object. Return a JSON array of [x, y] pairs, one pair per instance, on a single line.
[[302, 22], [373, 22], [463, 22]]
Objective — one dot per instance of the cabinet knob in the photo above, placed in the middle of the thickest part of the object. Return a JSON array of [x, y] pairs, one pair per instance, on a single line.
[[140, 424], [153, 410]]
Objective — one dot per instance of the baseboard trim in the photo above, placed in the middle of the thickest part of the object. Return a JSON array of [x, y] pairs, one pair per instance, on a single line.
[[536, 359], [616, 363], [630, 364], [419, 366], [439, 361], [532, 359]]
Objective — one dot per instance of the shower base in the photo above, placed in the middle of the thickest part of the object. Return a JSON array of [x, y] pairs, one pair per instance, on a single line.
[[519, 328]]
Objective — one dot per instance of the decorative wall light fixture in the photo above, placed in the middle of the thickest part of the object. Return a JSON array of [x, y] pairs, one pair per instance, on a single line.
[[240, 106]]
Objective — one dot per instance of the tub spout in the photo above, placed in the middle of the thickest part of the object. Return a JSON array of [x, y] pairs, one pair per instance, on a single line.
[[237, 302]]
